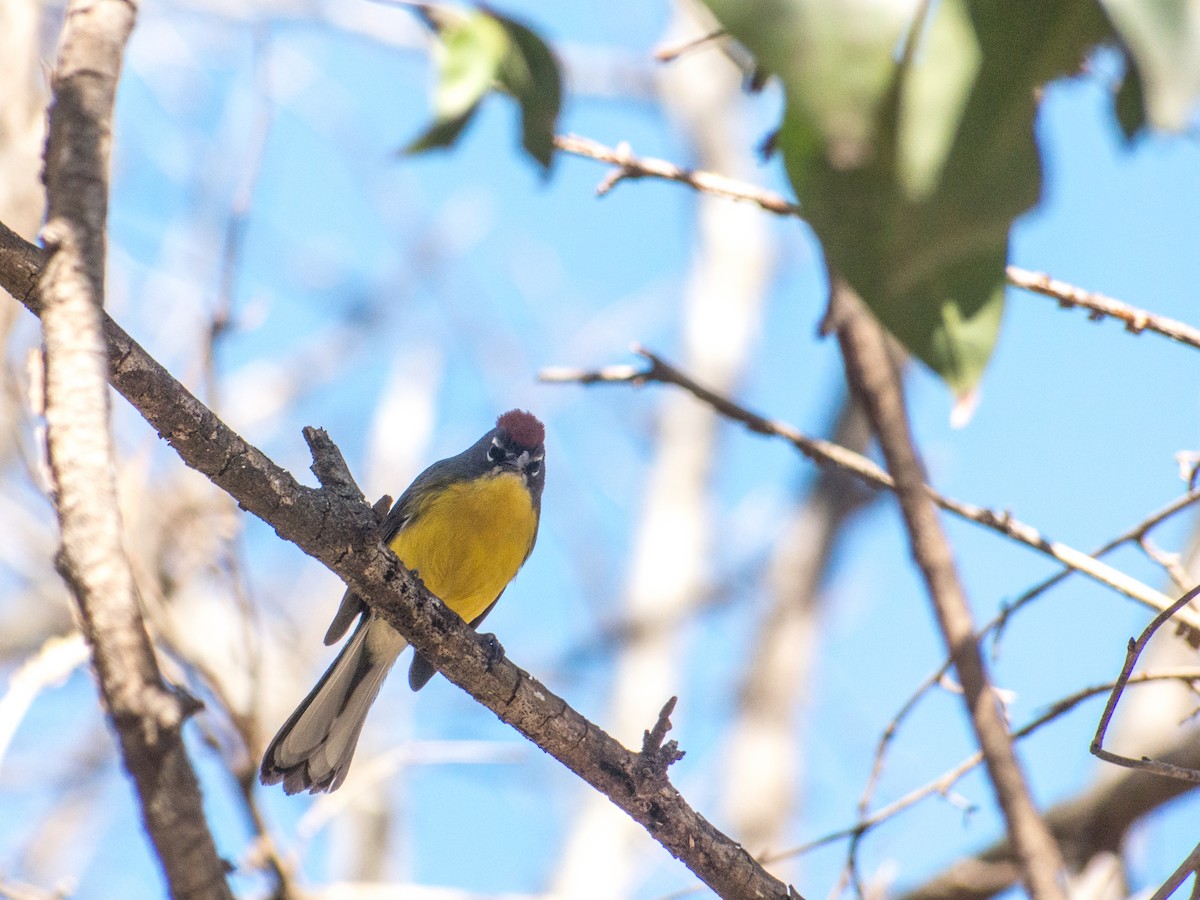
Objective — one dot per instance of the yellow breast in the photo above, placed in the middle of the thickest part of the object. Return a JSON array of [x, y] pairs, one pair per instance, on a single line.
[[468, 541]]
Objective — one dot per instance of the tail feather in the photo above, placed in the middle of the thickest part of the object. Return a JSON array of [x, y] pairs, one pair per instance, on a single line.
[[313, 749]]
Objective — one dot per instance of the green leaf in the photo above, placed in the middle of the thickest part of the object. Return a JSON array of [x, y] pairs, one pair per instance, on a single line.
[[468, 53], [479, 52], [911, 163], [1131, 102], [1162, 39], [530, 73]]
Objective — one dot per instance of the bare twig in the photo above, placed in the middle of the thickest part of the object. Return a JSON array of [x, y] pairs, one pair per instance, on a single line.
[[1068, 296], [871, 374], [656, 756], [146, 714], [1131, 657], [633, 167], [1171, 563], [671, 52], [1099, 306], [369, 773], [1180, 875], [828, 453]]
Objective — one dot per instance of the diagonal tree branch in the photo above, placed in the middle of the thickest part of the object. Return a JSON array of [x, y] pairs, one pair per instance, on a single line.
[[1099, 306], [829, 453], [338, 528], [146, 714], [874, 380]]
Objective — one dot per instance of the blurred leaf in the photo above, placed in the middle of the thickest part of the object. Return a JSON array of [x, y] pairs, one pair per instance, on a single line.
[[481, 51], [912, 163], [1131, 102], [529, 72], [468, 54], [1162, 38]]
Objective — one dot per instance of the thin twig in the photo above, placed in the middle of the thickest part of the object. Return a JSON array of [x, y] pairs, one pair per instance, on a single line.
[[58, 657], [1099, 306], [1171, 563], [1134, 534], [630, 166], [1179, 876], [671, 52], [828, 453], [1131, 657], [1068, 296]]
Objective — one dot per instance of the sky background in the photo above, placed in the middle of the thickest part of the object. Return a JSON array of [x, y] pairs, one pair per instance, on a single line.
[[441, 285]]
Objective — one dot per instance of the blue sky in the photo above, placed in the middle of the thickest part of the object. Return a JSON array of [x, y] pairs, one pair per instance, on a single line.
[[467, 269]]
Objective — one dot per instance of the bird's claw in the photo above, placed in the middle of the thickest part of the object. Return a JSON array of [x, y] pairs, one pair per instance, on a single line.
[[495, 653]]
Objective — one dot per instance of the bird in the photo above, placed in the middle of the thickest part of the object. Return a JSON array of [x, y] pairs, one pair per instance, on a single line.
[[465, 526]]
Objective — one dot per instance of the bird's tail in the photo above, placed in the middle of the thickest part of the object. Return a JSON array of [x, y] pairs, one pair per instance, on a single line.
[[313, 749]]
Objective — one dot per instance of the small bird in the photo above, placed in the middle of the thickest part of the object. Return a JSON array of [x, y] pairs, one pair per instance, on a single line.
[[465, 526]]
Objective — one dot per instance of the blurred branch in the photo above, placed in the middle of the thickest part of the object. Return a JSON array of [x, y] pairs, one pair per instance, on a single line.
[[670, 52], [765, 759], [57, 659], [720, 311], [263, 853], [630, 167], [338, 528], [371, 773], [873, 378], [825, 452], [1099, 306], [146, 714], [22, 116], [14, 890]]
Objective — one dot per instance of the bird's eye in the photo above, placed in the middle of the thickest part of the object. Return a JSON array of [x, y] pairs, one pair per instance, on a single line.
[[534, 467], [495, 453]]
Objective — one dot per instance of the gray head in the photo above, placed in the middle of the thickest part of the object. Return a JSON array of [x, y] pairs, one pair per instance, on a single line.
[[518, 444]]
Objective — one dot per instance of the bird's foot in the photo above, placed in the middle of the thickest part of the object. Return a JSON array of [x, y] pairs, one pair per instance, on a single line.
[[495, 653]]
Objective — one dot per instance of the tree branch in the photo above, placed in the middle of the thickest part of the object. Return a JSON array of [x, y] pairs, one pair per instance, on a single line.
[[827, 453], [342, 535], [874, 380], [632, 167], [1099, 306], [146, 714]]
